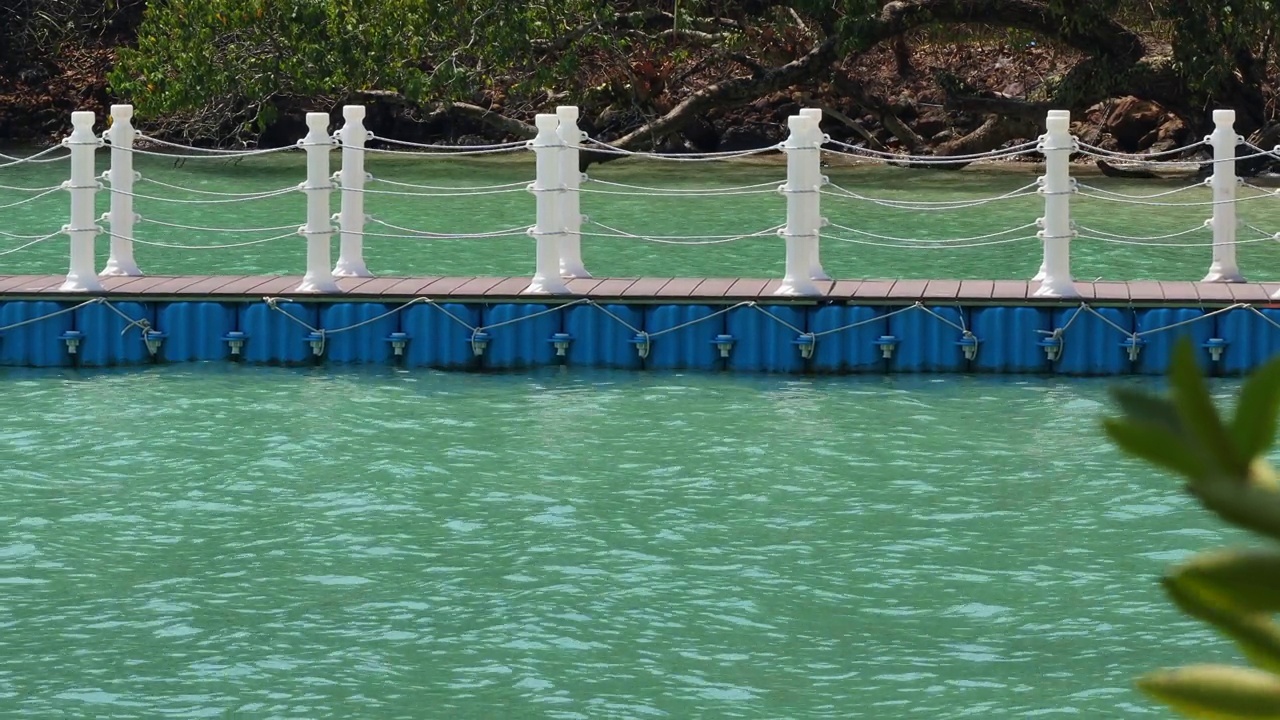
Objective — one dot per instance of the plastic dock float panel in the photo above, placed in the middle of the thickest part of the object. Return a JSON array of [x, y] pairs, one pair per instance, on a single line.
[[1171, 325], [845, 338], [696, 324], [37, 333], [1250, 338], [1009, 339], [195, 331], [928, 339], [359, 333], [1093, 341], [115, 334], [766, 338], [603, 336], [695, 345], [439, 336], [279, 336], [519, 335]]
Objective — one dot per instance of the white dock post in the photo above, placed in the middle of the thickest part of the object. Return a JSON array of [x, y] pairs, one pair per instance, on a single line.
[[546, 187], [121, 176], [570, 206], [351, 177], [318, 231], [814, 168], [1057, 145], [802, 220], [83, 186], [1224, 267]]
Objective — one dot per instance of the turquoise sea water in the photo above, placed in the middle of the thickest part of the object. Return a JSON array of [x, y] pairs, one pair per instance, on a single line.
[[210, 541], [237, 542], [845, 252]]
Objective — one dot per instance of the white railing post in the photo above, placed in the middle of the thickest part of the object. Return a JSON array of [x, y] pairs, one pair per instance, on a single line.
[[318, 231], [547, 189], [83, 186], [813, 168], [1224, 267], [121, 176], [351, 177], [802, 209], [570, 206], [1057, 145]]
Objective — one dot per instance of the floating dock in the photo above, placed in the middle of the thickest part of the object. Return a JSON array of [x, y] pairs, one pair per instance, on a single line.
[[705, 324], [803, 322]]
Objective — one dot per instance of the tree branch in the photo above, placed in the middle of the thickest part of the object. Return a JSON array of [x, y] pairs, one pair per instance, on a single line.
[[732, 92], [1099, 36]]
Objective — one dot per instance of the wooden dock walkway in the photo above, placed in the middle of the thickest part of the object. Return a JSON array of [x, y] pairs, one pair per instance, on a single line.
[[1017, 292]]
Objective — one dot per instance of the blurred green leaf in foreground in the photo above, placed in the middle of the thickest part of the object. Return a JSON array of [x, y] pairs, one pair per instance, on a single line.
[[1237, 591]]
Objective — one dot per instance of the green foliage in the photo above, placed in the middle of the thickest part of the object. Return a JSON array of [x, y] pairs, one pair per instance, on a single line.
[[1221, 41], [1235, 591], [251, 53], [34, 30]]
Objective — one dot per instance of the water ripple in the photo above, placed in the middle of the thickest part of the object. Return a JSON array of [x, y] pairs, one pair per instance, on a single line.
[[202, 543]]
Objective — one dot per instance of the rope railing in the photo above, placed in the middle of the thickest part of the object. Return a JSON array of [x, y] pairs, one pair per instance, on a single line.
[[40, 157], [1002, 154], [931, 246], [912, 241], [558, 187], [679, 239], [931, 205]]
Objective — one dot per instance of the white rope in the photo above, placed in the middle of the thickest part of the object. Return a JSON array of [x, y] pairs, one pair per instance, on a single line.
[[28, 244], [1191, 320], [890, 158], [1259, 152], [56, 313], [217, 230], [1260, 231], [172, 246], [695, 321], [988, 236], [414, 153], [868, 321], [476, 330], [1262, 315], [405, 193], [211, 153], [1126, 201], [642, 338], [12, 236], [1105, 234], [1094, 149], [29, 189], [1136, 159], [515, 145], [934, 246], [680, 191], [680, 239], [449, 187], [37, 158], [247, 196], [33, 198], [1016, 149], [143, 324], [1166, 193], [264, 196], [508, 232], [932, 205], [323, 333], [602, 147], [1200, 245], [637, 193]]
